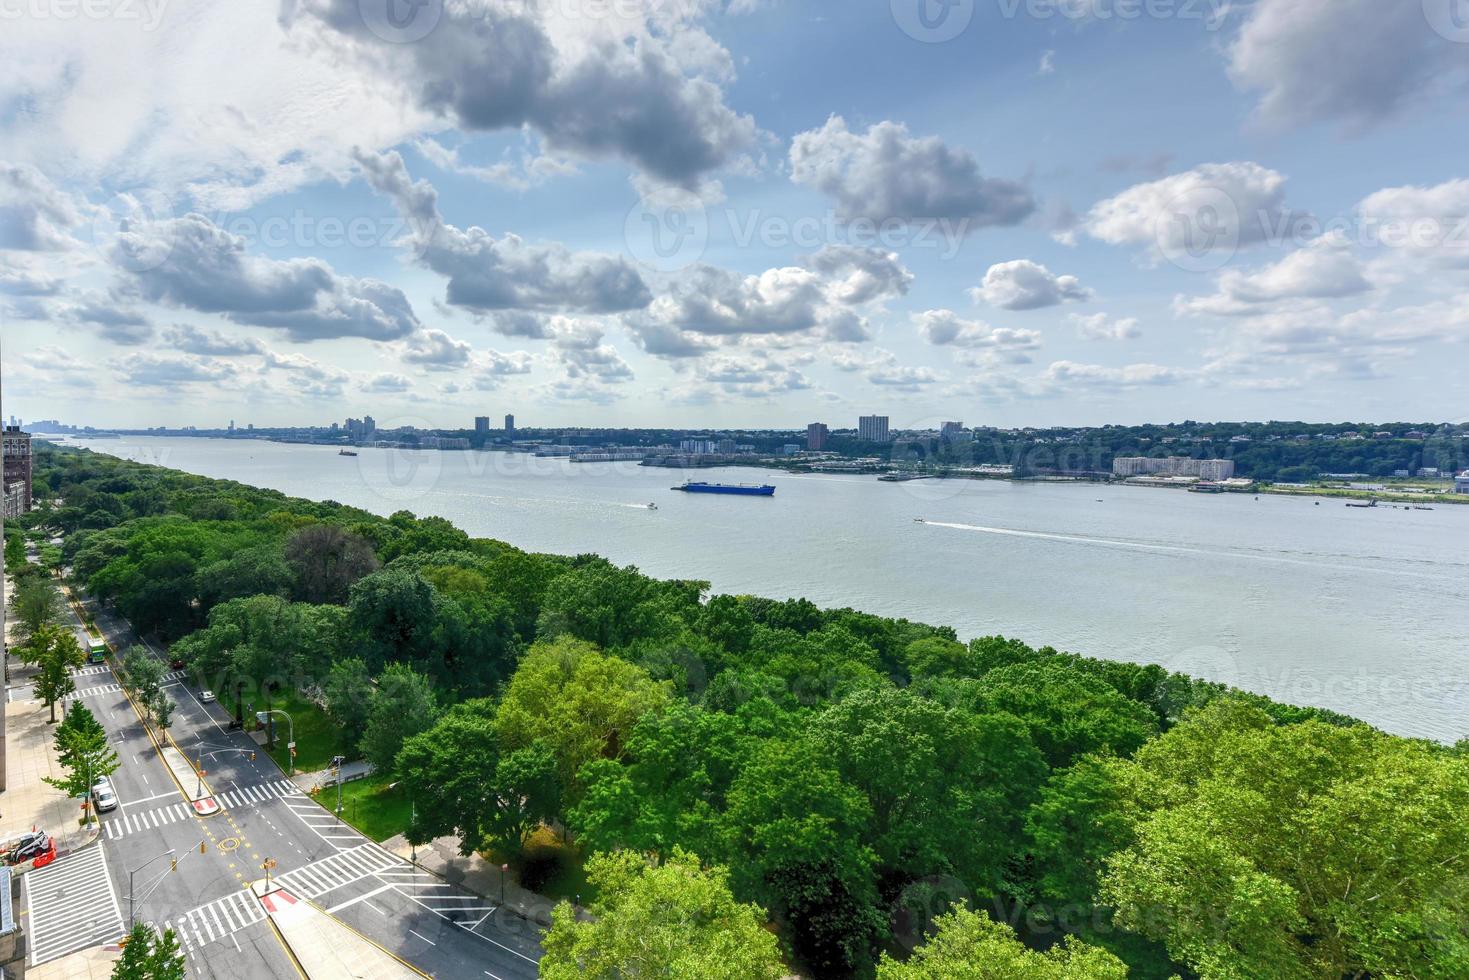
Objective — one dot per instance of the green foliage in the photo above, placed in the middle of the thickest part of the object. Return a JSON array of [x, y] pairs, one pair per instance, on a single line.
[[578, 702], [676, 919], [37, 603], [348, 692], [82, 752], [56, 651], [147, 955], [971, 946], [1296, 851], [401, 706]]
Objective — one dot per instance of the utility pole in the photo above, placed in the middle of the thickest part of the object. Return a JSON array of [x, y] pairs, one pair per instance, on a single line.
[[133, 871]]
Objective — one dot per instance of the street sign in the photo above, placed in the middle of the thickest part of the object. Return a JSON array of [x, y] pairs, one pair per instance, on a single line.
[[291, 746], [269, 864]]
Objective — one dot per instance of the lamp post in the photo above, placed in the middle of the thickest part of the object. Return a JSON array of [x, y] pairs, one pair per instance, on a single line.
[[290, 738], [133, 871]]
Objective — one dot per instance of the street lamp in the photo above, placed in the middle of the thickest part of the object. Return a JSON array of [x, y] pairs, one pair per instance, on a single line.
[[133, 871], [290, 736]]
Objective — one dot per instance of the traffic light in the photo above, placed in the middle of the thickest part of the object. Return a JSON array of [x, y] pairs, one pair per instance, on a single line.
[[252, 756], [173, 865], [201, 847]]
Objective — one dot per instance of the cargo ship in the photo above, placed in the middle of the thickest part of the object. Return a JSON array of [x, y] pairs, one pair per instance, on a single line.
[[740, 489]]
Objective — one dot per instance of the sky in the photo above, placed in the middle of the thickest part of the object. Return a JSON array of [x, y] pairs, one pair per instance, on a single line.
[[734, 213]]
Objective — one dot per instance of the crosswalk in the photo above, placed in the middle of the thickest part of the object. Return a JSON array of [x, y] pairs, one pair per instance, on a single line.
[[120, 825], [217, 920], [323, 823], [127, 822], [71, 905], [343, 868], [89, 671], [463, 908], [257, 794]]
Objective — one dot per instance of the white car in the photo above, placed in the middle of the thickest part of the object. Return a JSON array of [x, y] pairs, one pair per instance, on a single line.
[[206, 697], [103, 793]]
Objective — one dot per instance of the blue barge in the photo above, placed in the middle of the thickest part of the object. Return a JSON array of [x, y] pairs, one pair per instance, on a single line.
[[739, 489]]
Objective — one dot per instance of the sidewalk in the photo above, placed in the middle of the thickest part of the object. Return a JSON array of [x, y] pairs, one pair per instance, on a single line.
[[325, 948], [441, 857], [312, 781], [29, 802]]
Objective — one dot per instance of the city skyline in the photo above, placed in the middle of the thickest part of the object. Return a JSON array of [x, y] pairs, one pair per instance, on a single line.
[[328, 211]]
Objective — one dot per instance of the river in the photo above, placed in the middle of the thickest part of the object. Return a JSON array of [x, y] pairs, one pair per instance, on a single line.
[[1309, 602]]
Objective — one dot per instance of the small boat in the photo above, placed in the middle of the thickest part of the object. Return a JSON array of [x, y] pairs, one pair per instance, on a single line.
[[1416, 507], [652, 506], [919, 520], [1369, 504], [347, 452]]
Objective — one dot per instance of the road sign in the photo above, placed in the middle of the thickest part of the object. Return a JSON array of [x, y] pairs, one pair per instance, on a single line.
[[291, 746], [269, 864]]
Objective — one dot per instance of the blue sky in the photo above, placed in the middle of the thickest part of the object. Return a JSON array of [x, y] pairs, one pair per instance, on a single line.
[[754, 212]]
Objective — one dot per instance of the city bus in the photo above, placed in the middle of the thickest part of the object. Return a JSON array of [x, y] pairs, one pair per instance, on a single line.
[[97, 650]]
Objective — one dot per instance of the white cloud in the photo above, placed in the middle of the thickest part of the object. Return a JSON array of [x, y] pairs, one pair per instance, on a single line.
[[1350, 61], [486, 274], [887, 175], [34, 215], [1071, 373], [1430, 222], [1325, 269], [1025, 285], [191, 262], [1099, 326], [1215, 207], [947, 328]]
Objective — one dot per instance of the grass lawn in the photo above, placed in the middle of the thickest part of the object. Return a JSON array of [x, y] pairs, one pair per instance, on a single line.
[[370, 806], [317, 737]]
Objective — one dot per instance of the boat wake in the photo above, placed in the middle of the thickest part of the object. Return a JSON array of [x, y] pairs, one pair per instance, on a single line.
[[1171, 549]]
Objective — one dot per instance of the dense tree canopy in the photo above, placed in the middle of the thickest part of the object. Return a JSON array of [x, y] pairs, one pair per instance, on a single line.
[[1125, 820]]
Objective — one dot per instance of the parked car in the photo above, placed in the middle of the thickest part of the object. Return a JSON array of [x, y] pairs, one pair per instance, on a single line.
[[207, 697], [176, 664], [104, 794]]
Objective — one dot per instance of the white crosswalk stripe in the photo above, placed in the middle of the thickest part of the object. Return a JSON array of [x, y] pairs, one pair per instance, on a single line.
[[343, 868], [217, 920], [71, 906], [259, 793], [120, 825]]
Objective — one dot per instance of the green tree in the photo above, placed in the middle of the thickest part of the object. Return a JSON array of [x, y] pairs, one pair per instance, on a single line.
[[671, 920], [1296, 851], [348, 692], [971, 946], [15, 550], [402, 705], [145, 671], [57, 653], [37, 603], [147, 955], [83, 753], [577, 701], [326, 561]]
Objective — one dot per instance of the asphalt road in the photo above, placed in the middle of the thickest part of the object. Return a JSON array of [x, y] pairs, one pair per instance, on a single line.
[[440, 929]]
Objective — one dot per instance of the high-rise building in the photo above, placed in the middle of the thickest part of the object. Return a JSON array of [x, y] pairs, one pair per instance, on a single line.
[[873, 428], [232, 425], [1204, 469], [950, 429], [510, 425], [369, 425], [481, 424], [17, 471], [816, 436]]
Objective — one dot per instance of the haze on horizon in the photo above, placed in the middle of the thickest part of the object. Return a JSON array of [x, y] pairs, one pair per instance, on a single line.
[[733, 212]]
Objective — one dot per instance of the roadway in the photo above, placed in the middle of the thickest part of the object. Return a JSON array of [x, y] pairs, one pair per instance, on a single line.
[[440, 929]]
